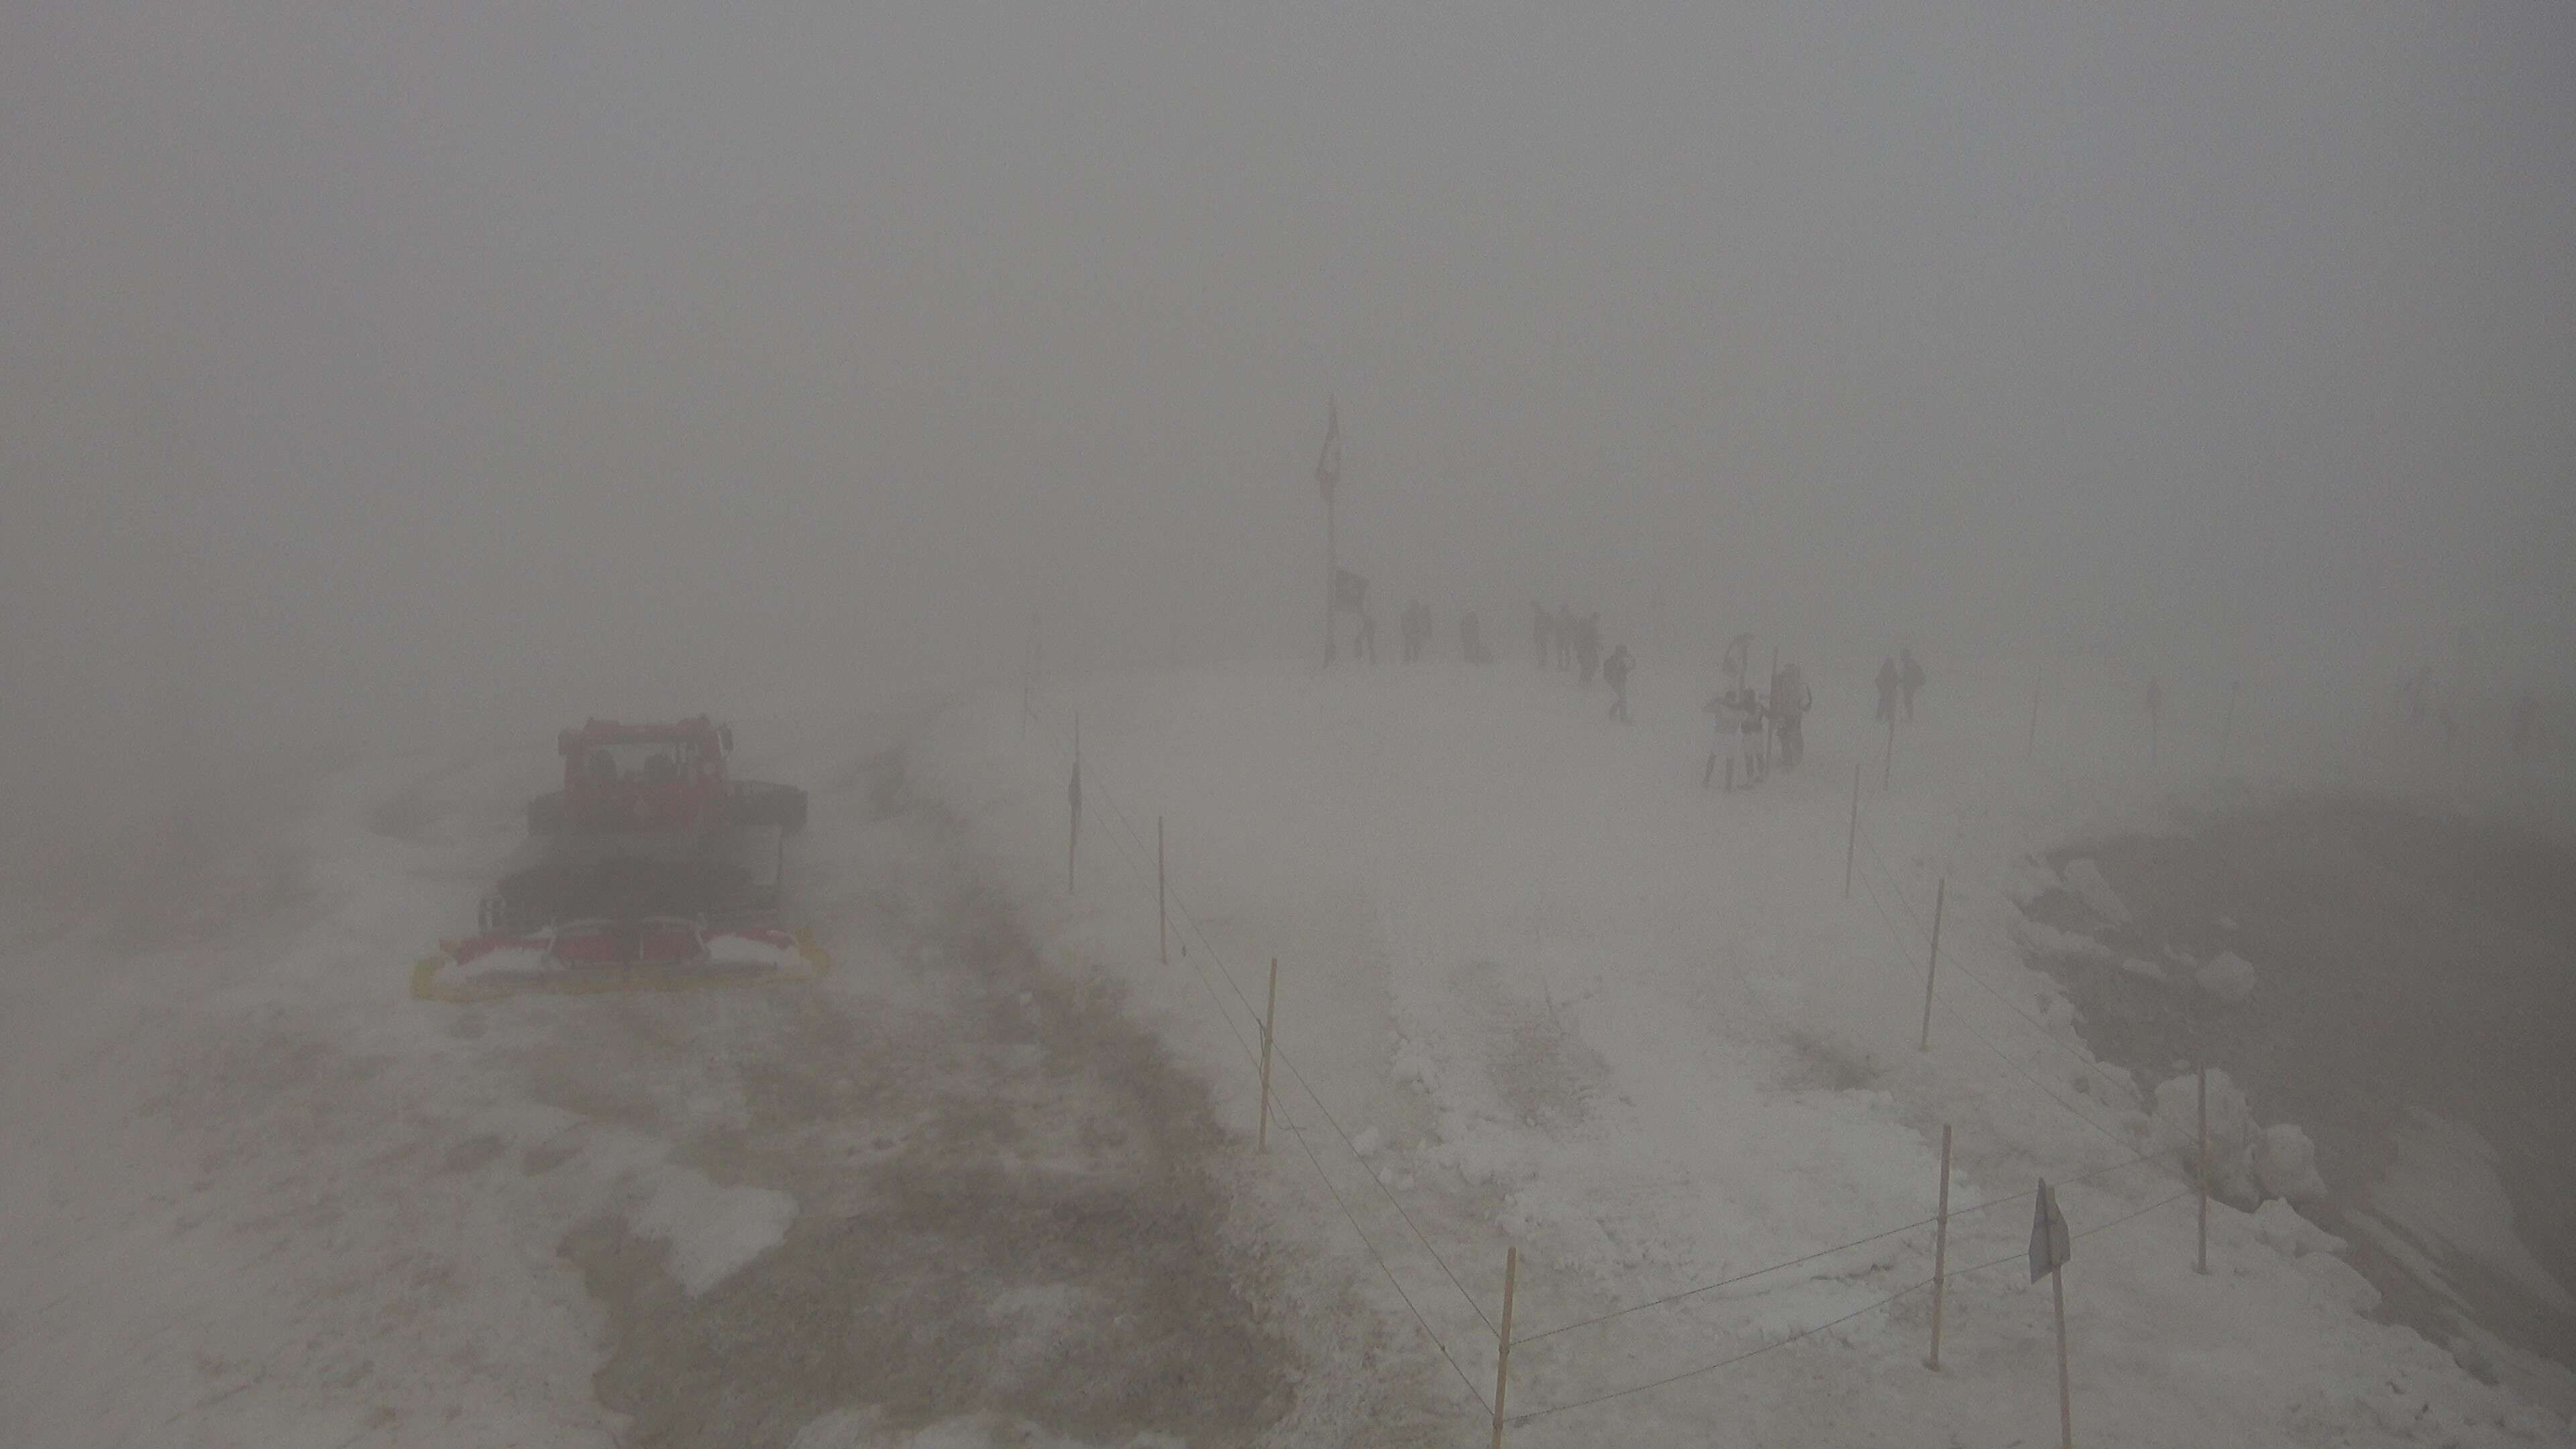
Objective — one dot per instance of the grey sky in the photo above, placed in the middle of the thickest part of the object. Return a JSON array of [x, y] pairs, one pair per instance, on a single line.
[[432, 361]]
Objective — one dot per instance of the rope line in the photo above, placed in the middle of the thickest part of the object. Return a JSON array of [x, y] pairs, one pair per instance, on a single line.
[[1298, 1132], [1756, 1352], [1955, 1214]]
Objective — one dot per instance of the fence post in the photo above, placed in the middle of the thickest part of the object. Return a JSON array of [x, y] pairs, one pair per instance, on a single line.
[[1887, 772], [2203, 1265], [1503, 1355], [2030, 746], [1940, 898], [1940, 1252], [1269, 1027], [2227, 734], [1851, 842], [1162, 919], [2065, 1389]]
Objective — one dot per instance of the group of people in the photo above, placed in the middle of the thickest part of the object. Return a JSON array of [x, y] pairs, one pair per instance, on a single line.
[[1413, 626], [1899, 677], [1755, 730], [1567, 640]]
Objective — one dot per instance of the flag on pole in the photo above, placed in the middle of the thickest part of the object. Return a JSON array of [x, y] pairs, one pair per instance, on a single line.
[[2050, 1246], [1328, 468]]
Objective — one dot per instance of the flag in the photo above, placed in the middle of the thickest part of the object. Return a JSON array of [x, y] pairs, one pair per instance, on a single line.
[[1328, 468], [2050, 1247]]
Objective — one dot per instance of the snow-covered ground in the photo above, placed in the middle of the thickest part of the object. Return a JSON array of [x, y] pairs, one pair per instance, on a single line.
[[1539, 989]]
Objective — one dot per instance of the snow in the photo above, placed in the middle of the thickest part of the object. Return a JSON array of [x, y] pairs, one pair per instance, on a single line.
[[2227, 976], [2442, 1192], [1633, 1028], [2285, 1162], [712, 1230], [1561, 999], [2084, 878]]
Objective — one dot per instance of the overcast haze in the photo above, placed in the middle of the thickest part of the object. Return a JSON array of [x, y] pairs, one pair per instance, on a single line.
[[394, 365]]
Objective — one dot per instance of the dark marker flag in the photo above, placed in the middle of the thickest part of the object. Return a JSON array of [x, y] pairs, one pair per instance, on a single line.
[[2050, 1247]]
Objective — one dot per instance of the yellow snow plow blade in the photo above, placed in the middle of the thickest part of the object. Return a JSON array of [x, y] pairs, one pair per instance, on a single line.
[[439, 977]]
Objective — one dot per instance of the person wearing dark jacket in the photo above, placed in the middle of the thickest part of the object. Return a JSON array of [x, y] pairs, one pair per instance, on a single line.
[[1615, 669]]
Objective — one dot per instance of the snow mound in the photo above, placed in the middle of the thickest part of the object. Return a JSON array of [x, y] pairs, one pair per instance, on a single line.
[[2232, 1134], [2285, 1162], [2145, 969], [712, 1230], [2084, 878], [2227, 976], [2280, 1227], [2043, 939]]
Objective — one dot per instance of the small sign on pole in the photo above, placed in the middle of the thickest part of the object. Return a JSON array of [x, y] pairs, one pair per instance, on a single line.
[[2050, 1248]]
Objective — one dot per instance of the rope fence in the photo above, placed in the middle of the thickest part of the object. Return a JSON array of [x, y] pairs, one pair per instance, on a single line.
[[1134, 854]]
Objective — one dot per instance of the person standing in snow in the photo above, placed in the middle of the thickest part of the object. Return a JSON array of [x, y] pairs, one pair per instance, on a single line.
[[1888, 681], [1913, 679], [1587, 648], [1471, 640], [1565, 636], [1739, 736], [1791, 698], [1615, 669], [1416, 629]]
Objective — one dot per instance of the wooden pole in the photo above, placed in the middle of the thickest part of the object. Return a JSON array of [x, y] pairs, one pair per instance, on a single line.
[[1887, 772], [1332, 573], [2227, 734], [2065, 1389], [2203, 1266], [1768, 738], [1073, 834], [1940, 897], [1851, 842], [1162, 918], [1503, 1357], [1940, 1252], [1269, 1027], [2030, 745]]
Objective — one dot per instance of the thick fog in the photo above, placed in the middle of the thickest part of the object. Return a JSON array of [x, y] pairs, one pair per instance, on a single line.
[[414, 370]]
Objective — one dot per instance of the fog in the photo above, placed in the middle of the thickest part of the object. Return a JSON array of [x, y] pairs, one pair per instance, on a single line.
[[412, 371]]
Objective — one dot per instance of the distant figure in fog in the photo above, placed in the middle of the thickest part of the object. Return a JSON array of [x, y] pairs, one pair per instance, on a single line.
[[1471, 640], [1367, 646], [1543, 630], [1888, 682], [1913, 673], [1565, 636], [1615, 669], [1587, 647], [1416, 627], [1791, 698]]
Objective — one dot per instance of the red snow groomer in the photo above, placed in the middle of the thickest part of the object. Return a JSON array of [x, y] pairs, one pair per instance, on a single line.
[[651, 868]]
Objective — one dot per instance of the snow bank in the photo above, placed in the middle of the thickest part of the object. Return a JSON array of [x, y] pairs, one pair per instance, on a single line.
[[2227, 976], [2084, 878], [712, 1230]]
